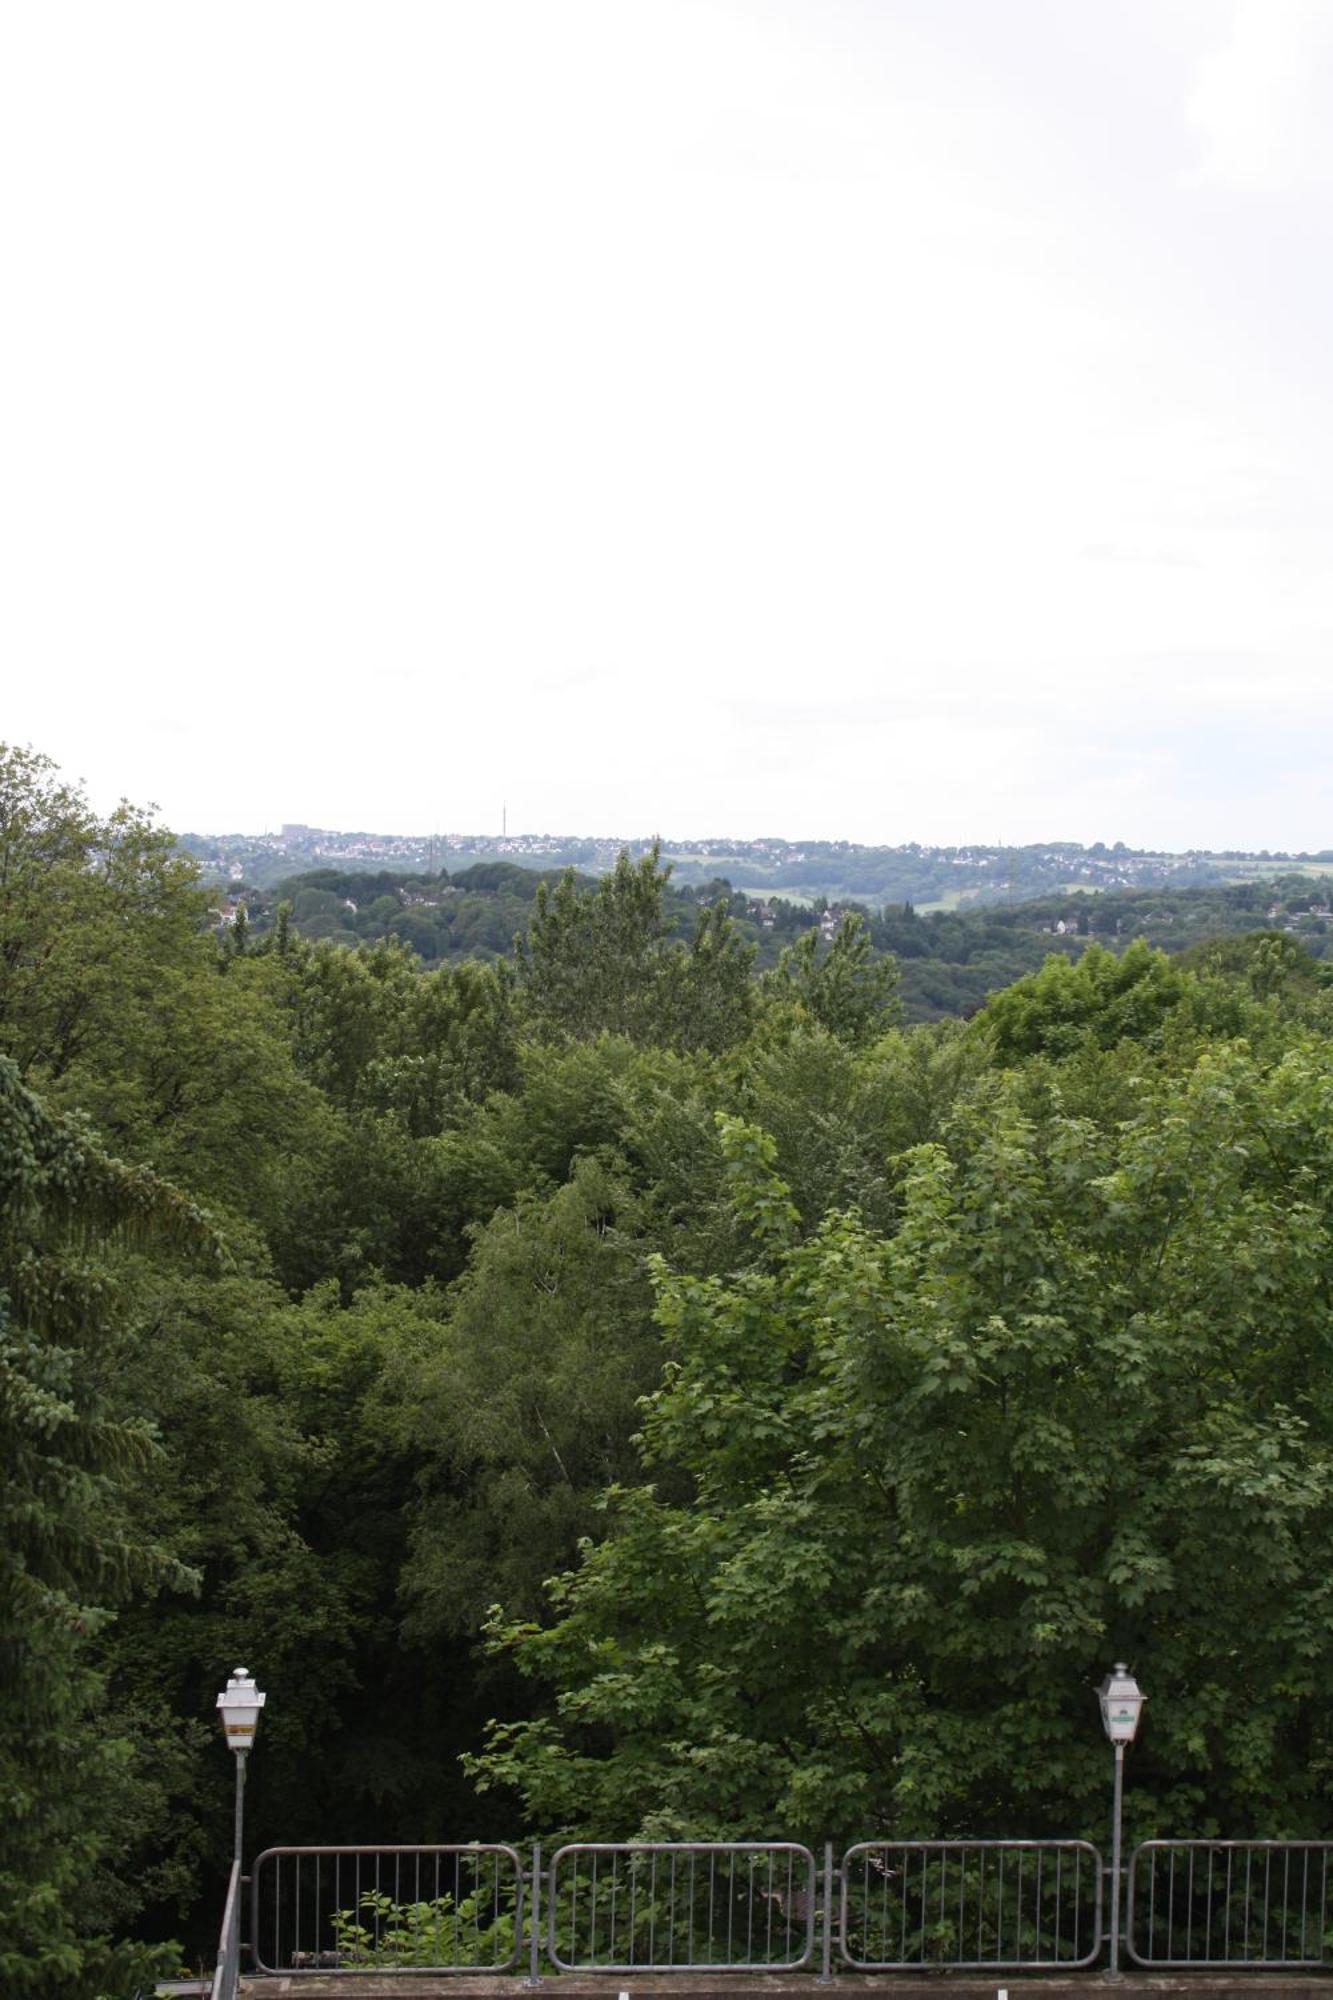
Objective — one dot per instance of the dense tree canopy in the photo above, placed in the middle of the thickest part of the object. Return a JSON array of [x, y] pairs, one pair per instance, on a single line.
[[929, 1481], [808, 1406]]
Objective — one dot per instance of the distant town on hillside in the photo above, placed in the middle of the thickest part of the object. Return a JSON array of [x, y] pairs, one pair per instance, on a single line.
[[929, 877]]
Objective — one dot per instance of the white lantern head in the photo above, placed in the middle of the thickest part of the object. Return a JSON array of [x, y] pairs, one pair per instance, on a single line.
[[240, 1704], [1122, 1704]]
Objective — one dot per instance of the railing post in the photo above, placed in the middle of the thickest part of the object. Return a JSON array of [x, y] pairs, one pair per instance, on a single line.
[[826, 1964], [535, 1918]]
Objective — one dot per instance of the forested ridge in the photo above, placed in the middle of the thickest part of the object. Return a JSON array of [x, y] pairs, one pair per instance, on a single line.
[[949, 961], [618, 1386]]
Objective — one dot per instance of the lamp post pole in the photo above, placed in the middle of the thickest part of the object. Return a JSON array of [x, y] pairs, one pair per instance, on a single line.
[[238, 1844], [1121, 1700], [1117, 1799]]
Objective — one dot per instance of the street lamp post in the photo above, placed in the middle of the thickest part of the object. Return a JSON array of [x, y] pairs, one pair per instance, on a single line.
[[1121, 1702], [240, 1703]]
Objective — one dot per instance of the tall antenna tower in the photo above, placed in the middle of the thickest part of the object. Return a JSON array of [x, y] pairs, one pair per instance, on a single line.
[[504, 818]]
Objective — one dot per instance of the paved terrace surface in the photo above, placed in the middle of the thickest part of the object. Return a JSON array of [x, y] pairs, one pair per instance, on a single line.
[[1130, 1985]]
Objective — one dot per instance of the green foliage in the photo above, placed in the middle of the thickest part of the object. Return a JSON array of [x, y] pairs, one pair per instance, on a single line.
[[864, 1388], [845, 988], [83, 903], [69, 1550], [437, 1931], [526, 1405], [599, 961], [935, 1479], [1097, 996]]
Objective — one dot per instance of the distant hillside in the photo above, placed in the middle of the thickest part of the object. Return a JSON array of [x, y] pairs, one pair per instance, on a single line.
[[928, 877], [949, 960]]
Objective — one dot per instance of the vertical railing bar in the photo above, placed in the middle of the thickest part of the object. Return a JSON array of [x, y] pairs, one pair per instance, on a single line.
[[1249, 1863], [944, 1878], [769, 1915], [826, 1943], [574, 1905], [689, 1919], [712, 1895], [356, 1892], [1041, 1851], [1189, 1906], [1264, 1859], [1226, 1946], [1268, 1884], [379, 1896], [671, 1913], [1303, 1897], [1323, 1902], [631, 1862], [534, 1919], [749, 1916], [652, 1911], [1171, 1905]]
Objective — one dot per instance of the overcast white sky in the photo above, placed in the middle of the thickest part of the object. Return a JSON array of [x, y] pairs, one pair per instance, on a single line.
[[877, 419]]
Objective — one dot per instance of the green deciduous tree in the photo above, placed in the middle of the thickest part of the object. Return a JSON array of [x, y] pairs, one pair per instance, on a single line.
[[524, 1410], [914, 1491], [1096, 996]]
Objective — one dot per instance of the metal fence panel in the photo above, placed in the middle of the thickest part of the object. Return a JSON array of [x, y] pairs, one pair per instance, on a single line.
[[698, 1906], [1010, 1905], [1261, 1903], [410, 1909]]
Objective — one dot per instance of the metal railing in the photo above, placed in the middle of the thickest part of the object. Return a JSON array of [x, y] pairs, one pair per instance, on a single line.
[[358, 1909], [227, 1971], [1259, 1903], [1012, 1905], [663, 1906], [767, 1906]]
